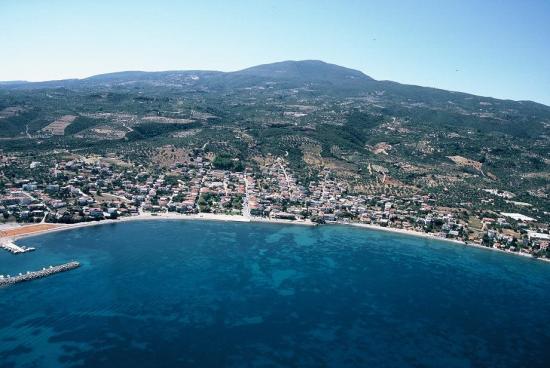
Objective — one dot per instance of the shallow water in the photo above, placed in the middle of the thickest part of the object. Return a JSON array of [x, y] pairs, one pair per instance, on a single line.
[[192, 293]]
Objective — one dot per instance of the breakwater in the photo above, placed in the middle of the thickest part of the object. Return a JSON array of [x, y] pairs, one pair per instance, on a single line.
[[32, 275]]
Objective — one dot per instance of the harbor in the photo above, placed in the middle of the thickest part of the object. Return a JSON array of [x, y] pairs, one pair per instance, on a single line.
[[13, 248], [32, 275]]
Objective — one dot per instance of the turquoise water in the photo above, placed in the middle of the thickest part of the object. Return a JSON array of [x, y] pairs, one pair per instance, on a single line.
[[191, 293]]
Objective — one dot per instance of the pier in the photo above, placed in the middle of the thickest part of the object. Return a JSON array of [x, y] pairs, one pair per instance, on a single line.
[[9, 280], [15, 249]]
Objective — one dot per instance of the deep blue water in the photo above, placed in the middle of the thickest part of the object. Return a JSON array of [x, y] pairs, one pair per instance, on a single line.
[[190, 293]]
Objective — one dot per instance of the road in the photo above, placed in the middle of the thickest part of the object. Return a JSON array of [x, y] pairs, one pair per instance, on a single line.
[[246, 208]]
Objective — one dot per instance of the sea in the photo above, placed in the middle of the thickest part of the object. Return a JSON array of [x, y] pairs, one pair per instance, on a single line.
[[170, 293]]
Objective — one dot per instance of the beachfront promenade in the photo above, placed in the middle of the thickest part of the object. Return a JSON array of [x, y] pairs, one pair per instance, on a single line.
[[9, 280]]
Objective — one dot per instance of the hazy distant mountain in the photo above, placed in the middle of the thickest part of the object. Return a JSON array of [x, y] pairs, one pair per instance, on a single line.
[[7, 83], [139, 76], [314, 74]]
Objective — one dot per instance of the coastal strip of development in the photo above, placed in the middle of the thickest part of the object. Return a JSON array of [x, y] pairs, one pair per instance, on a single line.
[[236, 218], [9, 280], [64, 192]]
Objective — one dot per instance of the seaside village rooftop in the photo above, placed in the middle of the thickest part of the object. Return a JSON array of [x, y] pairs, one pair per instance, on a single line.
[[93, 188]]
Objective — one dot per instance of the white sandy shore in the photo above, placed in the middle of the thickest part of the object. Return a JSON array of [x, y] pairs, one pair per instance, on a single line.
[[165, 216], [141, 217], [402, 231], [238, 218]]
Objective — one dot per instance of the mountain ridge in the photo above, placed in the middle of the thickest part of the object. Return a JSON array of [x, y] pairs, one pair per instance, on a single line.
[[292, 72]]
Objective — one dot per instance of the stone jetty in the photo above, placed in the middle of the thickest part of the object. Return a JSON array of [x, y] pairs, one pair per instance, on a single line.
[[8, 280], [15, 249]]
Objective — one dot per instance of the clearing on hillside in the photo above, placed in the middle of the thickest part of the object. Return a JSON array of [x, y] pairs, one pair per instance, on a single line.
[[58, 126]]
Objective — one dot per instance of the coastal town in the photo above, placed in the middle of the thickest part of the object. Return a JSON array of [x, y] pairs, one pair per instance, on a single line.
[[86, 189], [275, 183]]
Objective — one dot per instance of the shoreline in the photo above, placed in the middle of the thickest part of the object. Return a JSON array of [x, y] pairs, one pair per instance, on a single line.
[[160, 216], [240, 218], [435, 237]]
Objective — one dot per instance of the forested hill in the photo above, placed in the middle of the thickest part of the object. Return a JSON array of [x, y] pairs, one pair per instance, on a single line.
[[315, 114]]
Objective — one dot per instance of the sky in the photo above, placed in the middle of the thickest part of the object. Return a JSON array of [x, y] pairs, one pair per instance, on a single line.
[[489, 47]]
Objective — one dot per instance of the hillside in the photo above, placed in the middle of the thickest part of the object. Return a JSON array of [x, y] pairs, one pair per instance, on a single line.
[[377, 135]]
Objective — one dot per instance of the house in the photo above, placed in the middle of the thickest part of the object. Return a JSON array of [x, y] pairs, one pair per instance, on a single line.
[[96, 213], [537, 236]]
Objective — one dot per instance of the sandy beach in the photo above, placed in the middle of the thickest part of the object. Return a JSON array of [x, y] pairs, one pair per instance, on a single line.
[[14, 233], [11, 232], [19, 232], [401, 231]]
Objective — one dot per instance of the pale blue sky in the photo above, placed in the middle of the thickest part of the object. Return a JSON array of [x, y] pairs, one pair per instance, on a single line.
[[501, 48]]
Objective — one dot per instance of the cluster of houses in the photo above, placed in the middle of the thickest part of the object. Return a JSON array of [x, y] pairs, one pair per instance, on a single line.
[[91, 189]]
